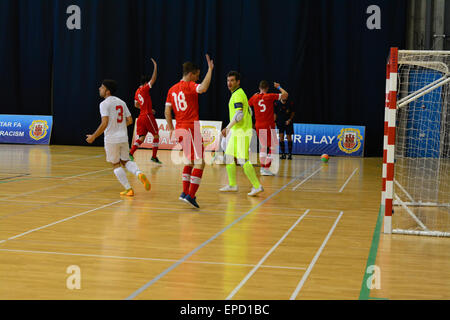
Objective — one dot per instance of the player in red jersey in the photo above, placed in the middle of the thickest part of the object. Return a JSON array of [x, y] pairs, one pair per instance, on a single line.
[[146, 121], [262, 104], [182, 99]]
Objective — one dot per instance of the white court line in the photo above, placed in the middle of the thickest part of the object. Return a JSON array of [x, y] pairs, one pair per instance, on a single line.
[[47, 188], [306, 179], [78, 159], [348, 180], [239, 286], [187, 256], [144, 259], [59, 221], [86, 174], [314, 260]]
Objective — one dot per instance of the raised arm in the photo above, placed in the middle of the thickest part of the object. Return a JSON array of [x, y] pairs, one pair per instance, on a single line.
[[284, 94], [155, 73], [204, 86]]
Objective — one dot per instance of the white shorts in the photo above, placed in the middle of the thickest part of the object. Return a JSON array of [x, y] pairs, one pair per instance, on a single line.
[[116, 152]]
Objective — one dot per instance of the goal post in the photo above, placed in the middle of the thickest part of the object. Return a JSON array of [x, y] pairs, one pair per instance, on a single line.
[[416, 152]]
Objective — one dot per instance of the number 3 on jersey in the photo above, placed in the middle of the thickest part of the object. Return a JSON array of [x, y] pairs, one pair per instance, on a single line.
[[262, 105], [119, 114], [180, 101]]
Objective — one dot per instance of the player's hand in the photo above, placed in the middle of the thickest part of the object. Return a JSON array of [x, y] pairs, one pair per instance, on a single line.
[[287, 122], [225, 132], [154, 111], [172, 138], [90, 138], [210, 62], [276, 85], [154, 62]]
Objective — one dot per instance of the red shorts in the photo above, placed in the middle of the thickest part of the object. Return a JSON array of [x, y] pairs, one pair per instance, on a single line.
[[265, 136], [146, 123], [191, 140]]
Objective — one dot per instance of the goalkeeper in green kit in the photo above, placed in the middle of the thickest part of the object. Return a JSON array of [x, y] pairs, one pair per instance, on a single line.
[[240, 130]]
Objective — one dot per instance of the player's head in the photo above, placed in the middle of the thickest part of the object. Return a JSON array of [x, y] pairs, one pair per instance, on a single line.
[[264, 86], [108, 88], [191, 71], [145, 79], [233, 80]]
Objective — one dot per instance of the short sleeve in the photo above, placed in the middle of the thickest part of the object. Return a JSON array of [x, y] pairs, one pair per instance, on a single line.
[[104, 110], [193, 86], [127, 111]]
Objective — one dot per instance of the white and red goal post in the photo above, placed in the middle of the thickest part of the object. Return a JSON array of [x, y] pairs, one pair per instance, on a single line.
[[416, 153]]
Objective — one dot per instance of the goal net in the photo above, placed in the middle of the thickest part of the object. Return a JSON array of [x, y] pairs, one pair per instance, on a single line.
[[416, 160]]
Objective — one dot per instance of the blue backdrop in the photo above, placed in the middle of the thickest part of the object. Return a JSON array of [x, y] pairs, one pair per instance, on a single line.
[[320, 50]]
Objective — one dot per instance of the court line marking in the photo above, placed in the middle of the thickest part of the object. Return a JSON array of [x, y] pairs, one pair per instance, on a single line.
[[86, 174], [59, 221], [42, 189], [187, 256], [255, 268], [306, 179], [314, 260], [348, 180], [78, 159], [145, 259]]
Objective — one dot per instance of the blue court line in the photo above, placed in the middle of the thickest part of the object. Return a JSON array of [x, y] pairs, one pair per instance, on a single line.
[[176, 264]]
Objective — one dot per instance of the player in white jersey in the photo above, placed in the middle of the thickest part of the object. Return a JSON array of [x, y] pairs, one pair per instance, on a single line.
[[115, 118]]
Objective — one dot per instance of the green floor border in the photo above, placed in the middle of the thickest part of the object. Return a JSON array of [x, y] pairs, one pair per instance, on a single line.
[[365, 291]]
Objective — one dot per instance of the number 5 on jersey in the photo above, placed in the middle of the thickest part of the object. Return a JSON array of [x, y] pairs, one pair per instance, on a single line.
[[262, 105]]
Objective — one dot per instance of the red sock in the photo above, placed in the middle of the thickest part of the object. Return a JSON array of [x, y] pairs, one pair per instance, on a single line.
[[136, 145], [196, 178], [186, 179], [155, 147]]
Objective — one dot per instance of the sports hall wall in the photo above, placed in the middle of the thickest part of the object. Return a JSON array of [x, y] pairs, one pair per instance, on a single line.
[[330, 55]]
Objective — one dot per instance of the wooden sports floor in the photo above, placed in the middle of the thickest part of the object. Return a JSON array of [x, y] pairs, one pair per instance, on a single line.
[[312, 234]]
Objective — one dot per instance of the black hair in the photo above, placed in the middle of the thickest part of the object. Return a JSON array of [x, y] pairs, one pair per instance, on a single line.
[[234, 74], [111, 85]]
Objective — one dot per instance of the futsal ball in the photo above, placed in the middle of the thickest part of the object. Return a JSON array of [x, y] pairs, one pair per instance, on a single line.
[[324, 158]]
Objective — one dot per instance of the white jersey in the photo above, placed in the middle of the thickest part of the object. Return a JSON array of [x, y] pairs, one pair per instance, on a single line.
[[117, 111]]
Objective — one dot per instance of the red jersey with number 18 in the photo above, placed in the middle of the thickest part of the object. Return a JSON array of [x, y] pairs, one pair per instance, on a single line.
[[183, 98], [262, 103]]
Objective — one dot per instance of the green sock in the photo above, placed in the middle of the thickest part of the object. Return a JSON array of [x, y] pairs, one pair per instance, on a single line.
[[251, 174], [231, 170]]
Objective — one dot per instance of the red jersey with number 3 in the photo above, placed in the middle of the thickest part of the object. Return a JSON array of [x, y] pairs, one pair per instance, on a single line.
[[142, 97], [183, 97], [262, 103]]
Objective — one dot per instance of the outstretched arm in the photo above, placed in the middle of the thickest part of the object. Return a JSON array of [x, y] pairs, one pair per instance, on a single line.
[[284, 94], [155, 73], [204, 86]]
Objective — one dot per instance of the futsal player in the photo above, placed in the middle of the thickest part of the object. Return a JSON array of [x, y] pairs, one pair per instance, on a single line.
[[182, 99], [146, 121], [285, 124], [240, 130], [262, 103], [115, 119]]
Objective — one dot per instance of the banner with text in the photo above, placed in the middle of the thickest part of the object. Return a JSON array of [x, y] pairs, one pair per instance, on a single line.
[[334, 140], [22, 129], [210, 133]]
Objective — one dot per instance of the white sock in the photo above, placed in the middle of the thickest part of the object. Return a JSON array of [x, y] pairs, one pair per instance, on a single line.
[[122, 177], [133, 168]]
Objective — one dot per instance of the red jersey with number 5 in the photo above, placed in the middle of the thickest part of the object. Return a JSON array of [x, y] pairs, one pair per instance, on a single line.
[[183, 98], [142, 97], [262, 103]]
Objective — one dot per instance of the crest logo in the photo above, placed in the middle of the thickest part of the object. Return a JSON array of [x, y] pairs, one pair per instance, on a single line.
[[38, 129], [209, 134], [350, 140]]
